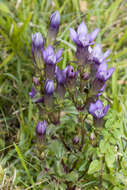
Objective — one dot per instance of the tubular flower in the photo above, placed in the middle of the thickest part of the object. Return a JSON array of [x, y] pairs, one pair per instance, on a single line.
[[61, 80], [81, 37], [55, 20], [49, 87], [37, 42], [53, 28], [97, 55], [50, 59], [71, 76], [103, 73], [37, 47], [41, 128], [98, 110]]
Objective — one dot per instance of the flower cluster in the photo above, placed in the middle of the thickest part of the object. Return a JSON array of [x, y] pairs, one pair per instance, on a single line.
[[82, 84]]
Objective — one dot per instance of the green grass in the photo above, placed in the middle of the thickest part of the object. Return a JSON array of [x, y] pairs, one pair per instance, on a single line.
[[20, 167]]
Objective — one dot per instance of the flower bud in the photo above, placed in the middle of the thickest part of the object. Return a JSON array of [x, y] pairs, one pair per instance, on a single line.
[[37, 41], [76, 140], [71, 76], [61, 80], [49, 87], [54, 27], [37, 47], [49, 90], [41, 128], [41, 131], [55, 20]]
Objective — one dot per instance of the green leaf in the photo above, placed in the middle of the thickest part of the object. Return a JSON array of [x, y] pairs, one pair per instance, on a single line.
[[4, 8], [110, 158], [73, 176], [95, 166], [6, 60]]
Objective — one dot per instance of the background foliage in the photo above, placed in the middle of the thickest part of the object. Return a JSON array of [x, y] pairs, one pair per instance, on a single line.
[[20, 167]]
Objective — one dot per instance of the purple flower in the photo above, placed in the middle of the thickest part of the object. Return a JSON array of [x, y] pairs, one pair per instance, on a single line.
[[61, 80], [37, 42], [70, 72], [76, 140], [103, 73], [49, 87], [97, 55], [55, 20], [60, 76], [98, 110], [71, 76], [50, 57], [39, 100], [41, 128], [33, 93], [81, 37]]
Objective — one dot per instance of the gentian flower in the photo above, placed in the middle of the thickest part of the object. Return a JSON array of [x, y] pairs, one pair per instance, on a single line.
[[97, 55], [50, 59], [49, 87], [81, 37], [55, 20], [53, 28], [61, 80], [37, 47], [71, 76], [98, 110], [103, 73], [70, 72], [82, 40], [33, 93], [41, 127], [41, 130]]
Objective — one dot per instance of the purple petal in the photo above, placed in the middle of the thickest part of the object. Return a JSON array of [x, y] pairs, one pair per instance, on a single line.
[[102, 67], [59, 59], [93, 34], [39, 100], [105, 55], [97, 51], [99, 104], [44, 52], [110, 72], [60, 76], [103, 87], [106, 109], [55, 19], [49, 50], [92, 108], [82, 29], [58, 54], [33, 93], [73, 35]]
